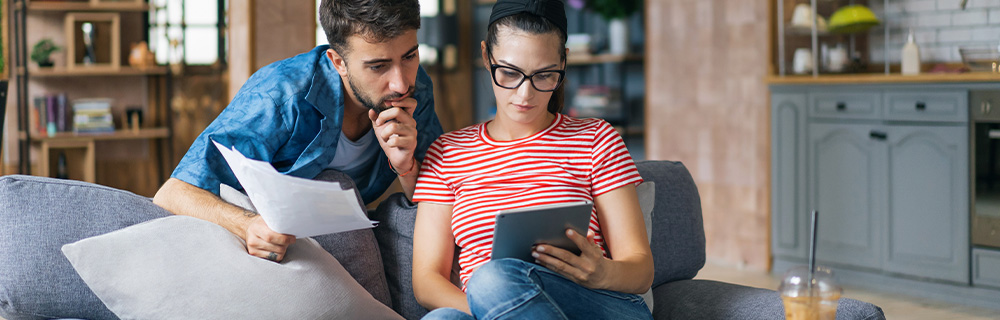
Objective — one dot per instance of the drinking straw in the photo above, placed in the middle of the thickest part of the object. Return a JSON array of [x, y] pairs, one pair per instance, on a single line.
[[812, 250]]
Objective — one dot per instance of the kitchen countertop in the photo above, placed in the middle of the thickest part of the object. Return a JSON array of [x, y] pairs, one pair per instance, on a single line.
[[876, 78]]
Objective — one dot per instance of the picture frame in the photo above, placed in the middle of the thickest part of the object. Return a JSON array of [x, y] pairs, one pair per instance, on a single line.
[[93, 41]]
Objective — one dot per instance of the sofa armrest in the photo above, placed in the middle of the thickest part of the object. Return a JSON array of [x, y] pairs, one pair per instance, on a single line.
[[37, 217], [707, 299]]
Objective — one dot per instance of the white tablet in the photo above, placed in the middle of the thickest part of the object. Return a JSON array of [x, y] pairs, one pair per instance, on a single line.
[[517, 231]]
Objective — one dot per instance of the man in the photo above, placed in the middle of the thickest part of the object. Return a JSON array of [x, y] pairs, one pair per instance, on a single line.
[[362, 106]]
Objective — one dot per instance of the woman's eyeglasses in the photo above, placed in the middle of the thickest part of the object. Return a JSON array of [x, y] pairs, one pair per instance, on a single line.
[[510, 78]]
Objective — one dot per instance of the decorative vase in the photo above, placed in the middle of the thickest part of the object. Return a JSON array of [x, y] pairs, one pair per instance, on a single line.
[[140, 57], [618, 36]]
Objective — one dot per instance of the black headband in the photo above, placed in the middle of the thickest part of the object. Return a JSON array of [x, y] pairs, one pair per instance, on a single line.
[[552, 10]]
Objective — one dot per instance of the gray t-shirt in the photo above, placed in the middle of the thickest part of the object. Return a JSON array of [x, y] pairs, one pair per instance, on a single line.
[[354, 157]]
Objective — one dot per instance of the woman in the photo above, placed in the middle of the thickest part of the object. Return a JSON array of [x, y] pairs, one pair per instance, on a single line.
[[529, 154]]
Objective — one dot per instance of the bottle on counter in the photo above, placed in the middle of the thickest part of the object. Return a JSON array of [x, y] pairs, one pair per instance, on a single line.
[[911, 56]]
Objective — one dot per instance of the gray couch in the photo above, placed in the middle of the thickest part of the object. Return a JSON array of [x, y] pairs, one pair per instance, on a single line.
[[39, 215]]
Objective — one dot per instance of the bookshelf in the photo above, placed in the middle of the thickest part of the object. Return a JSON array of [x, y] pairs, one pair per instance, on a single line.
[[589, 59], [123, 134], [57, 72], [621, 76], [63, 6], [146, 149]]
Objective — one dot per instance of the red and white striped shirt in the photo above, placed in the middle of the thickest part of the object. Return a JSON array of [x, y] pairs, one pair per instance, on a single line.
[[571, 160]]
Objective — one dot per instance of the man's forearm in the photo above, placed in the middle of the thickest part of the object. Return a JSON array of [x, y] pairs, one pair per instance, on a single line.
[[182, 198]]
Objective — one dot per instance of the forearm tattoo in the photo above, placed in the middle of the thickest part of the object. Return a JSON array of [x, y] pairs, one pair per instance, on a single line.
[[249, 214]]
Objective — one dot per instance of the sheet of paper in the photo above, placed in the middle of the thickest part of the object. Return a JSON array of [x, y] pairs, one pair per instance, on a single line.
[[292, 205]]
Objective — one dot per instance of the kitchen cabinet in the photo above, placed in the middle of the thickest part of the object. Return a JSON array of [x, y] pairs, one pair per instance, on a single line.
[[846, 187], [887, 169], [927, 219], [788, 151]]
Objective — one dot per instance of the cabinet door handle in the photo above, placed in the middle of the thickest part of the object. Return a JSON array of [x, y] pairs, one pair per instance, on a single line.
[[921, 106], [841, 106], [985, 107], [878, 135]]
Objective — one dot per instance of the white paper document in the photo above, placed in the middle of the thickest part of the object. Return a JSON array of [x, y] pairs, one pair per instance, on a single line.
[[293, 205]]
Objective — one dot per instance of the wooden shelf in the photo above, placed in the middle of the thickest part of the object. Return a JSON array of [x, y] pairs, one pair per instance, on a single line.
[[587, 59], [84, 72], [630, 130], [85, 6], [592, 59], [149, 133], [862, 78], [800, 31]]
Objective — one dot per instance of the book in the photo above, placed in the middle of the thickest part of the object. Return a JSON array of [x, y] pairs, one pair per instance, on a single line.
[[40, 112], [50, 115], [92, 115], [65, 122]]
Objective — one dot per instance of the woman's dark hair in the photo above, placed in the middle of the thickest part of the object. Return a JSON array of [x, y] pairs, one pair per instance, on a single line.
[[375, 20], [532, 24]]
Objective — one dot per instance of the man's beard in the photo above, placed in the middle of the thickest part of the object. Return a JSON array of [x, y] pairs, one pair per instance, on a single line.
[[368, 102]]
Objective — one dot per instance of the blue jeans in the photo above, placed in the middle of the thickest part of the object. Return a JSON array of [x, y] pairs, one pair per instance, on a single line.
[[515, 289]]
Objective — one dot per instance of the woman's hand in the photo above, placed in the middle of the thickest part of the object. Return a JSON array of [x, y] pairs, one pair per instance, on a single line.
[[587, 269]]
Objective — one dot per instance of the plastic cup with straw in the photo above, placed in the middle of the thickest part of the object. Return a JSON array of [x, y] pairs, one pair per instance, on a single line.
[[809, 292]]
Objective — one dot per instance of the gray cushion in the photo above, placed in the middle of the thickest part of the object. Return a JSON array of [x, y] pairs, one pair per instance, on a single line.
[[396, 216], [37, 216], [181, 267], [356, 250], [678, 237], [707, 299], [646, 192]]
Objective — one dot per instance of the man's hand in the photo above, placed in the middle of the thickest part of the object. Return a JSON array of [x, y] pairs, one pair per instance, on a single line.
[[265, 243], [396, 131]]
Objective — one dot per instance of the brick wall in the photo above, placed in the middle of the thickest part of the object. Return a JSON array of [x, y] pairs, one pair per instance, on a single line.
[[939, 26]]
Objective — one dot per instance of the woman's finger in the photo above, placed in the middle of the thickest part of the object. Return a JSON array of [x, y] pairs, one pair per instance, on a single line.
[[560, 267], [586, 244]]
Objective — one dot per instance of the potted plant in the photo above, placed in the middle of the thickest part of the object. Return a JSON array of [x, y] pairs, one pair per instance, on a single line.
[[616, 12], [42, 51]]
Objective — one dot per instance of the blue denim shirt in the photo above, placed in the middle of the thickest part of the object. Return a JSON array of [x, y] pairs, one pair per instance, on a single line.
[[289, 113]]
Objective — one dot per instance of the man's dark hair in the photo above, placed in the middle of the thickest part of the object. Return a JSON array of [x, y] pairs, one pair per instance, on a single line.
[[374, 20], [532, 24]]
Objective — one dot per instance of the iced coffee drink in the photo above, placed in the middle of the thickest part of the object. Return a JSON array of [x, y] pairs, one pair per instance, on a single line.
[[809, 297]]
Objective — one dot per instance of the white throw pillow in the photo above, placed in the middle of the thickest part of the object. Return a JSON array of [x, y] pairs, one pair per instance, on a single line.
[[185, 268]]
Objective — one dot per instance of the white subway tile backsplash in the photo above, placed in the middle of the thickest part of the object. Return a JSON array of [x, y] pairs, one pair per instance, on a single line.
[[920, 5], [937, 54], [949, 4], [895, 7], [877, 56], [986, 34], [934, 20], [940, 27], [964, 18], [954, 35], [976, 4], [926, 36]]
